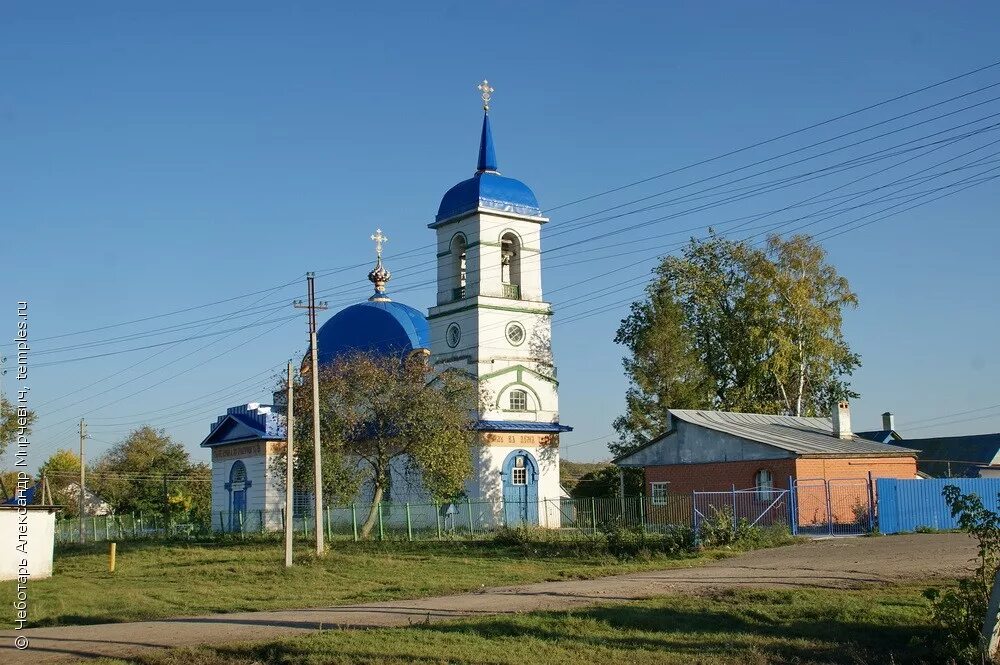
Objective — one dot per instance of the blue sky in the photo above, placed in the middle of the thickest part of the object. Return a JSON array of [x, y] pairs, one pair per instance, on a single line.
[[157, 158]]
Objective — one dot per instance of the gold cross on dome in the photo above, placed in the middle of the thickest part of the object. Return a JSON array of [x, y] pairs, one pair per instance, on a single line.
[[379, 239], [487, 91]]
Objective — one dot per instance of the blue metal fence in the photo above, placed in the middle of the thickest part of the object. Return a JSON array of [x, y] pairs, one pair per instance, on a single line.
[[907, 505]]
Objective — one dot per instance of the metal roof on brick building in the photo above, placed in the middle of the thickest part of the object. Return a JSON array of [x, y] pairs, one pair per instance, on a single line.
[[797, 434]]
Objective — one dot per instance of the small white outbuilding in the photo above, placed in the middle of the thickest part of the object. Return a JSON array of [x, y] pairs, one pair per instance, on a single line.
[[28, 537]]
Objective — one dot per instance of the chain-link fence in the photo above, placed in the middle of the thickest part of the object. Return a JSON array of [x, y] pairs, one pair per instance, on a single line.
[[394, 521]]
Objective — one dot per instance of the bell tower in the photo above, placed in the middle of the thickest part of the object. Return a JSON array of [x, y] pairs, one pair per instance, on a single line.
[[492, 322]]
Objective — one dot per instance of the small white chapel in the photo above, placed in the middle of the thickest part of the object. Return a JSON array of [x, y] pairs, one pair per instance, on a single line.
[[490, 320]]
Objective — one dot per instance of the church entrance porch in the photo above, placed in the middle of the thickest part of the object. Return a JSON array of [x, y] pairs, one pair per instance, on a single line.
[[520, 489]]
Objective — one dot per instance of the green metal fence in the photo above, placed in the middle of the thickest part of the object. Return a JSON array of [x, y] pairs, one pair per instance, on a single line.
[[394, 521]]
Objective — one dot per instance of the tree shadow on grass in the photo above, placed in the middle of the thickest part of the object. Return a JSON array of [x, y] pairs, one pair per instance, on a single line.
[[825, 637]]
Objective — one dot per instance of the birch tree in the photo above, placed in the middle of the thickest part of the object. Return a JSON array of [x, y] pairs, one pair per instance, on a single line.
[[729, 326], [809, 357]]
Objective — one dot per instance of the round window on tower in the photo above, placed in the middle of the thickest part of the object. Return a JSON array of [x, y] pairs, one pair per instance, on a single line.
[[515, 333], [453, 335]]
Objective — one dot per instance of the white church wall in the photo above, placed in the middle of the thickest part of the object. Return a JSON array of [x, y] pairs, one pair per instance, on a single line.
[[490, 477], [265, 495]]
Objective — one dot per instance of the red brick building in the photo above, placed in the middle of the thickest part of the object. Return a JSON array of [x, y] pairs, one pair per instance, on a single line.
[[708, 451]]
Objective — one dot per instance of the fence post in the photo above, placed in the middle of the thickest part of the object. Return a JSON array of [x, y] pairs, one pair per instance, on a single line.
[[107, 534], [437, 517], [593, 517], [694, 514], [621, 490], [871, 503], [545, 508], [642, 511], [93, 522], [734, 510], [354, 520], [409, 523], [260, 520], [793, 508], [329, 524], [381, 528], [829, 506], [468, 505]]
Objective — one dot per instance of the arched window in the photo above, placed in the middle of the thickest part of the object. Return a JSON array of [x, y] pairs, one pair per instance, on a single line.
[[238, 475], [518, 400], [519, 474], [764, 484], [458, 249], [510, 265]]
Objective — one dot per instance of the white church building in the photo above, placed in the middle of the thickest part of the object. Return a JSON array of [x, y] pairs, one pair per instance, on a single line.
[[490, 321]]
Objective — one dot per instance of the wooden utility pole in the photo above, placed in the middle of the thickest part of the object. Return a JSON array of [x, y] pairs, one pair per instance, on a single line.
[[289, 461], [312, 307], [83, 476]]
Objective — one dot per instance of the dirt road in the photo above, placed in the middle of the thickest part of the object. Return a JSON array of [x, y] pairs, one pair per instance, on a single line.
[[836, 563]]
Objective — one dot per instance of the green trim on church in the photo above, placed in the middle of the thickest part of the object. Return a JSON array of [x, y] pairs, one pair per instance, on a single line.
[[520, 369], [450, 312]]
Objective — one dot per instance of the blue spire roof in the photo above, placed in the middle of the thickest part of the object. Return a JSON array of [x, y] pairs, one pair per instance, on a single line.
[[487, 188], [487, 153]]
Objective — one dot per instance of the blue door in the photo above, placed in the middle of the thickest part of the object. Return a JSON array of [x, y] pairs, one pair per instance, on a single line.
[[237, 486], [520, 489]]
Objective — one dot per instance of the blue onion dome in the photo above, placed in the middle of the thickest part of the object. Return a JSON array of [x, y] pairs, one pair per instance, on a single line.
[[377, 326], [487, 188]]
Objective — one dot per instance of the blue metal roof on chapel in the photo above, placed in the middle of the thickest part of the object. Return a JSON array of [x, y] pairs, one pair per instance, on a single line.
[[487, 188], [380, 327]]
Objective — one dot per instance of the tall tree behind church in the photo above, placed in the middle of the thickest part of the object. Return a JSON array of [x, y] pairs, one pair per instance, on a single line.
[[729, 326]]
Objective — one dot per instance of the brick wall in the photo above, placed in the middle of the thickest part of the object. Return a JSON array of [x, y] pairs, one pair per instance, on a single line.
[[856, 467], [845, 501], [718, 476]]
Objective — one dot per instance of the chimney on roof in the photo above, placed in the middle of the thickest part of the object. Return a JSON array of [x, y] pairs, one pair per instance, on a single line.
[[888, 422], [841, 417]]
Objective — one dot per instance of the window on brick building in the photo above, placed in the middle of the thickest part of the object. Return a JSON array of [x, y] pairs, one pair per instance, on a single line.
[[764, 484], [658, 493]]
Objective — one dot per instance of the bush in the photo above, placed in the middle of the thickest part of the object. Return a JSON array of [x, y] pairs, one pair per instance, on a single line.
[[631, 542], [718, 530], [959, 613]]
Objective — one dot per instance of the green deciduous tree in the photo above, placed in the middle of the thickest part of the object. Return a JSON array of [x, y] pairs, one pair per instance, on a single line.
[[129, 476], [729, 326], [377, 412], [60, 470], [809, 356], [9, 423]]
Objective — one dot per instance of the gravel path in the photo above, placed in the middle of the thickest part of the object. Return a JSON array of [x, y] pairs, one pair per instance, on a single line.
[[835, 564]]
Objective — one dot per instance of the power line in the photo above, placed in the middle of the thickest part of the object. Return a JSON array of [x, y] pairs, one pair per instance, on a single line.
[[782, 136], [957, 413]]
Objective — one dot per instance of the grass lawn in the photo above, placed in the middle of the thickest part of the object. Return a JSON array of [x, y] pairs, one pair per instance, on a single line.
[[877, 625], [156, 580]]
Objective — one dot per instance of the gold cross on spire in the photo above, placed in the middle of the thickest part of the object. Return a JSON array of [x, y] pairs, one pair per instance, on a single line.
[[487, 91], [379, 239]]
